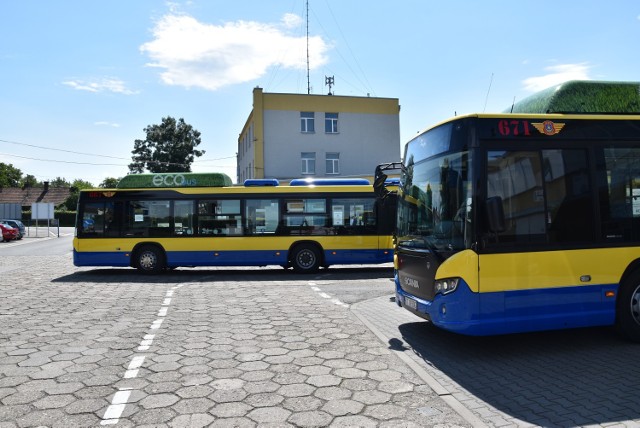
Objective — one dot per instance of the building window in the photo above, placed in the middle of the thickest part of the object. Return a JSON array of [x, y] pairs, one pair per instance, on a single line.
[[307, 122], [333, 163], [331, 123], [308, 162]]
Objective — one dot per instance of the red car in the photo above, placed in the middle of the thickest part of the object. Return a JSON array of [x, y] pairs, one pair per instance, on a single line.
[[8, 232]]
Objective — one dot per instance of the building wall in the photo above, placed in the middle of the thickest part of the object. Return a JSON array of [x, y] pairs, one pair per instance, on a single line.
[[363, 141], [271, 143]]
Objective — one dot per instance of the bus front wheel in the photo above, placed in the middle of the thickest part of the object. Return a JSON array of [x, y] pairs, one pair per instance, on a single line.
[[306, 259], [628, 308], [150, 259]]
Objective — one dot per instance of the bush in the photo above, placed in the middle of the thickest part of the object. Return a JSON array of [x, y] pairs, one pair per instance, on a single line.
[[65, 218]]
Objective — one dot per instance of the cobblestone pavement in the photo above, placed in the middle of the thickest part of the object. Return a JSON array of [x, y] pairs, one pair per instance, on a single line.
[[571, 378], [107, 347]]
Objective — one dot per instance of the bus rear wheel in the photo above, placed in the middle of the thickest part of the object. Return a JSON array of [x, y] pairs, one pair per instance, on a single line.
[[306, 259], [149, 259], [628, 308]]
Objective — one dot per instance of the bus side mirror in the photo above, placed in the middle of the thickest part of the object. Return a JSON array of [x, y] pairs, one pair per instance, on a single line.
[[495, 214]]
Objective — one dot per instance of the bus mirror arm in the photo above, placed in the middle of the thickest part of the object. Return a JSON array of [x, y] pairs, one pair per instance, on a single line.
[[495, 214], [380, 178]]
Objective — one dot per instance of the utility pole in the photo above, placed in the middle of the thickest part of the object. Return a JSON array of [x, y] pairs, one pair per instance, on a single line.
[[308, 81]]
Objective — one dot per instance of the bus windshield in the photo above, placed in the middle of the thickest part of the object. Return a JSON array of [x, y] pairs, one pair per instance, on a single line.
[[434, 209]]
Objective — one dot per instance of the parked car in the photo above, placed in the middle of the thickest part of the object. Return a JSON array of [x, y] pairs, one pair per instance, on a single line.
[[8, 233], [16, 224]]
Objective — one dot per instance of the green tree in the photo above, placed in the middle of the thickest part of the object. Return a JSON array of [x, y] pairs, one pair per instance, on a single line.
[[10, 176], [59, 182], [109, 183], [29, 181], [74, 193], [169, 147]]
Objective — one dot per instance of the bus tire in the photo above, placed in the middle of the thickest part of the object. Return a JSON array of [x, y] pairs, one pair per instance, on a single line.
[[628, 308], [305, 258], [150, 259]]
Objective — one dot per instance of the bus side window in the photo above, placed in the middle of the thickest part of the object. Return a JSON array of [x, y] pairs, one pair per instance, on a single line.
[[619, 190], [568, 194]]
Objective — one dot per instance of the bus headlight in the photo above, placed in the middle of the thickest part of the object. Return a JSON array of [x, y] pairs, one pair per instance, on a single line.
[[446, 286]]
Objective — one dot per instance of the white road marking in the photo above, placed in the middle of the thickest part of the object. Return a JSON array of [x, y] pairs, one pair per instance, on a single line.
[[121, 398], [324, 295], [118, 403]]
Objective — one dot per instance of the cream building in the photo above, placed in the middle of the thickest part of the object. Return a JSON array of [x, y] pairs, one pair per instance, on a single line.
[[297, 135]]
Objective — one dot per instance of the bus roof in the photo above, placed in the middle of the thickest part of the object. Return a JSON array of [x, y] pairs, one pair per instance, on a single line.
[[174, 179], [583, 97], [329, 182]]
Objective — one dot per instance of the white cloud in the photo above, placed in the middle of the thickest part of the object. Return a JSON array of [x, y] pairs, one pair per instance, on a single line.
[[105, 123], [192, 53], [100, 85], [291, 20], [557, 74]]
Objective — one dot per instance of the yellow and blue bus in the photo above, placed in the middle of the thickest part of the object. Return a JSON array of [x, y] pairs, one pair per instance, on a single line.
[[162, 221], [520, 222]]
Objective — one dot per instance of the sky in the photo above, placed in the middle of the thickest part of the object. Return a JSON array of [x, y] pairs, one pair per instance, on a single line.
[[82, 79]]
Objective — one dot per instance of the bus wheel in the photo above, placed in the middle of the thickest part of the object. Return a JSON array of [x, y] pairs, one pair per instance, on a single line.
[[628, 308], [149, 259], [306, 259]]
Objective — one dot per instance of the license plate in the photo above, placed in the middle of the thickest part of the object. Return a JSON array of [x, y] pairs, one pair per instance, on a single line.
[[410, 303]]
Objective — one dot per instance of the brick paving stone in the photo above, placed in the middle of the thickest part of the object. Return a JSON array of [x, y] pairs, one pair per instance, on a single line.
[[199, 420], [230, 410], [53, 401], [264, 400], [193, 405], [153, 416], [269, 415], [234, 422], [159, 401], [196, 391], [228, 395], [324, 380], [302, 404], [354, 421], [343, 407], [311, 419], [22, 397]]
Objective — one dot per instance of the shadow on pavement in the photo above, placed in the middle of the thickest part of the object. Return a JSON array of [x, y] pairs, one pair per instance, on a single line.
[[552, 379], [223, 274]]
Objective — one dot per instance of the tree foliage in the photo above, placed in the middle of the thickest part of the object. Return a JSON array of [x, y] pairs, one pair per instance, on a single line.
[[29, 181], [169, 147], [59, 182], [10, 176], [109, 183], [72, 201]]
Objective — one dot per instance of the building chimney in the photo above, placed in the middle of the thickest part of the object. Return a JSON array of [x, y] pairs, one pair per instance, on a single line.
[[46, 186]]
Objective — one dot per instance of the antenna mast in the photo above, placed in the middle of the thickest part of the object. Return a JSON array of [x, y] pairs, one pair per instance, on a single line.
[[308, 81], [329, 81]]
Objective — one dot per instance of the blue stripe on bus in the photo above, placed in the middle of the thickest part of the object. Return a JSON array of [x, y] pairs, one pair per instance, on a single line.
[[101, 258], [481, 314], [233, 258]]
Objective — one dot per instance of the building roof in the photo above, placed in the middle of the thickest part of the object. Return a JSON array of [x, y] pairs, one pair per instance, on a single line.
[[29, 195]]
